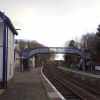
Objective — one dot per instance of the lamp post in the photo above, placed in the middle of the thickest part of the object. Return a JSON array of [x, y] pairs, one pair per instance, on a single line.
[[91, 58], [21, 61]]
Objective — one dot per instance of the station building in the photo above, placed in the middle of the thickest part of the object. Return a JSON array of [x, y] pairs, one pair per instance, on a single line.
[[7, 33]]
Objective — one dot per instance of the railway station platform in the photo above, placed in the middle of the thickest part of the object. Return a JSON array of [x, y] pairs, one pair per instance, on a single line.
[[88, 77], [95, 74], [29, 85]]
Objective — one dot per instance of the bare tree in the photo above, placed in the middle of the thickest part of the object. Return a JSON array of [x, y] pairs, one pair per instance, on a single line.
[[88, 43]]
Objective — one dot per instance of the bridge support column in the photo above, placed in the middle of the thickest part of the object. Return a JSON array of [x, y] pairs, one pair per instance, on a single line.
[[36, 61], [83, 65]]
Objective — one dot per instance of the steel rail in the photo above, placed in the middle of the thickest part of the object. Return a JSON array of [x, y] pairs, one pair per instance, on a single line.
[[74, 94], [79, 91]]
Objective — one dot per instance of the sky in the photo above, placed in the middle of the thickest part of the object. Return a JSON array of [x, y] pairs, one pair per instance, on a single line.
[[52, 22]]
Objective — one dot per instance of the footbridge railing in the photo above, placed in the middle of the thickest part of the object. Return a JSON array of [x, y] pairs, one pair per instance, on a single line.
[[62, 50]]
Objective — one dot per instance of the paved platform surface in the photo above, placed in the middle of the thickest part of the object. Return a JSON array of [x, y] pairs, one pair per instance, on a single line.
[[27, 86]]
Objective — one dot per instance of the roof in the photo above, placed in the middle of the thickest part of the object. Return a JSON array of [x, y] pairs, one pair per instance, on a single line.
[[8, 22]]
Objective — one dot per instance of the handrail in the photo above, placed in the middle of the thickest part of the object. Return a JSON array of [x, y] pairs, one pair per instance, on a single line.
[[64, 50]]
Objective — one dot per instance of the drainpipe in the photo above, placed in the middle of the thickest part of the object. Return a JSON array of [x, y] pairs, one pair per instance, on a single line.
[[4, 55]]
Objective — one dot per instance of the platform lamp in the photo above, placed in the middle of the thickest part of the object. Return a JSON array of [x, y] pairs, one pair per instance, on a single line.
[[91, 65]]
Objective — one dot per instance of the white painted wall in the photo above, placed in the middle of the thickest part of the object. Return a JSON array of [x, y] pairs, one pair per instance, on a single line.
[[33, 61], [1, 63], [10, 64], [1, 33], [1, 49], [17, 60]]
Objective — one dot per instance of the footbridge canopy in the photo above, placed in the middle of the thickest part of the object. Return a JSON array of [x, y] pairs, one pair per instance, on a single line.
[[62, 50]]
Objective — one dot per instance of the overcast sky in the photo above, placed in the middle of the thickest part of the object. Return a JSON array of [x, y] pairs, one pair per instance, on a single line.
[[52, 22]]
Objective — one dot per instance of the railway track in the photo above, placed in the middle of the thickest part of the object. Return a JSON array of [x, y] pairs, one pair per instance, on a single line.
[[68, 88], [89, 87]]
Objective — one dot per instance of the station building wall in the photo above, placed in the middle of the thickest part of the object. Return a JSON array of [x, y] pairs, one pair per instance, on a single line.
[[10, 61], [10, 56]]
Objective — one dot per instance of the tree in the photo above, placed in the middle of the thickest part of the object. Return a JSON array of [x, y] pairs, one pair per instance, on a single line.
[[98, 31], [98, 34], [72, 44], [98, 46], [90, 42], [22, 44], [70, 58]]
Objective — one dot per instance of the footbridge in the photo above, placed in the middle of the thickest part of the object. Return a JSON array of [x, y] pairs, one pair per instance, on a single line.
[[45, 50]]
